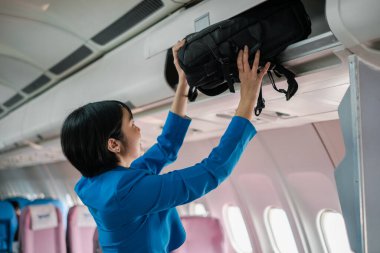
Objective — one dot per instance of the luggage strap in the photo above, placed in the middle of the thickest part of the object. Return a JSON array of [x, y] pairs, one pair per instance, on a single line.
[[193, 93], [224, 61], [260, 102], [280, 70]]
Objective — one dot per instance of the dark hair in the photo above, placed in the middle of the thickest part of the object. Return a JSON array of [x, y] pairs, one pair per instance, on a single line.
[[85, 133]]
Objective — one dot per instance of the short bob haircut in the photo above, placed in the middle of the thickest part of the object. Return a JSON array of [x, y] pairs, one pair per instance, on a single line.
[[85, 133]]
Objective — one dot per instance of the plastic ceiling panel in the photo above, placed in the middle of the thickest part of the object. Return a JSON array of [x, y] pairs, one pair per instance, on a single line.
[[10, 129], [47, 34], [6, 93], [315, 102], [16, 72], [42, 42], [164, 35], [84, 18], [37, 118], [115, 76]]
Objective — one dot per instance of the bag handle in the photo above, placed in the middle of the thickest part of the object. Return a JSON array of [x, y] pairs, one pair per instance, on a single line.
[[280, 70], [260, 102], [193, 93]]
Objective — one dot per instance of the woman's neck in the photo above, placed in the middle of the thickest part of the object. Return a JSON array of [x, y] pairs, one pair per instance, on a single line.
[[126, 161]]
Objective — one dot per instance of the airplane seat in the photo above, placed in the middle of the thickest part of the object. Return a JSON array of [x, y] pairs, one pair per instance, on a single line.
[[80, 230], [41, 230], [8, 226], [203, 234], [63, 208], [18, 204]]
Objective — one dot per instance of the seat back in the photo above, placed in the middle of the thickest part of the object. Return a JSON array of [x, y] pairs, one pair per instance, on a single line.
[[18, 204], [41, 230], [80, 230], [8, 226], [63, 208], [203, 234]]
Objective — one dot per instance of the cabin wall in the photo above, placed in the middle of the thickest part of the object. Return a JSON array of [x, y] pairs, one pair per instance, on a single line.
[[279, 169]]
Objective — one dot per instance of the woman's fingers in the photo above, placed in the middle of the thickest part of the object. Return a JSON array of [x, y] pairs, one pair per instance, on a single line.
[[243, 63], [178, 45], [256, 62], [175, 49], [245, 59], [240, 61], [264, 70]]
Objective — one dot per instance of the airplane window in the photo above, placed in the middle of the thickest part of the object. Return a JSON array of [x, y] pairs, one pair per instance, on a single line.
[[198, 209], [182, 211], [33, 196], [236, 229], [193, 209], [333, 232], [279, 230], [69, 200]]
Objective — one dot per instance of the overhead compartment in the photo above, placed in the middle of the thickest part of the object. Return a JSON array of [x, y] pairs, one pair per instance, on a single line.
[[321, 52], [356, 25], [186, 21]]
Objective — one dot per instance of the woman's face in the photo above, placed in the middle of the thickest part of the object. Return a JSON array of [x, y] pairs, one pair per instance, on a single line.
[[131, 144]]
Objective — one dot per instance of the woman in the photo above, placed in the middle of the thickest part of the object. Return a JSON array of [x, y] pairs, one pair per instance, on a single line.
[[134, 206]]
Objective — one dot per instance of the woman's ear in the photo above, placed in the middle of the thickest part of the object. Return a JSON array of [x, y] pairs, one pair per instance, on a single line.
[[113, 145]]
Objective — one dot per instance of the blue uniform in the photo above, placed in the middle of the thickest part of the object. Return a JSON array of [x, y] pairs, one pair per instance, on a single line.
[[134, 208]]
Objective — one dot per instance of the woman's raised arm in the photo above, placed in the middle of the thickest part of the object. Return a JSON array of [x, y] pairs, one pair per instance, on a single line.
[[179, 105]]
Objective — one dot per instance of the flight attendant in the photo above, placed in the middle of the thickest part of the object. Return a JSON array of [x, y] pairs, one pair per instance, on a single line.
[[132, 204]]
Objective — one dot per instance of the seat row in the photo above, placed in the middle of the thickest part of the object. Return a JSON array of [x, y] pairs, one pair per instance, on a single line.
[[42, 230]]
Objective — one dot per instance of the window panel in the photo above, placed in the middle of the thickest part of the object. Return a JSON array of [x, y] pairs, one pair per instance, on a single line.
[[237, 230], [279, 230], [333, 232]]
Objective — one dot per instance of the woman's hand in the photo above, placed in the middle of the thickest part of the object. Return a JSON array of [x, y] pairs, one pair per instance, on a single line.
[[179, 105], [175, 48], [250, 82]]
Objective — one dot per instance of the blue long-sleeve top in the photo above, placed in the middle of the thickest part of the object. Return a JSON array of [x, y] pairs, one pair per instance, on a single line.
[[134, 208]]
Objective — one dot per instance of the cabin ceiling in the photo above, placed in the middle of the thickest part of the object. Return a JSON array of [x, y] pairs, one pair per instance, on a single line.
[[44, 41], [79, 34]]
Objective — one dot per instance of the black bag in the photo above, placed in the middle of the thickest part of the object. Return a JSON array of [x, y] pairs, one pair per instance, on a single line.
[[209, 57]]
